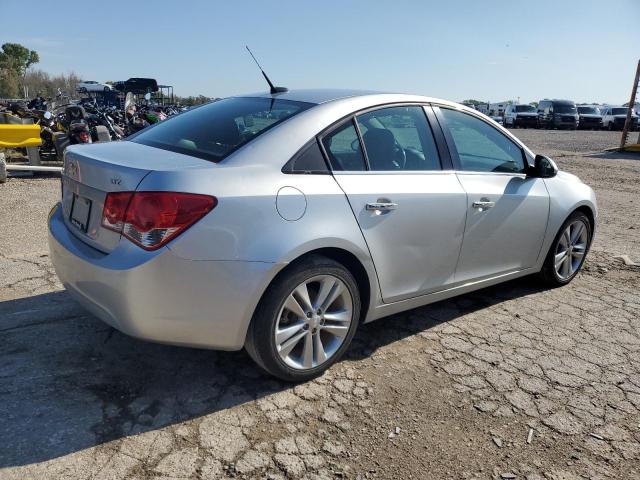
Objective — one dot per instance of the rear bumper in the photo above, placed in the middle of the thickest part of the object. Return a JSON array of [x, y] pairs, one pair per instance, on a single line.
[[159, 296]]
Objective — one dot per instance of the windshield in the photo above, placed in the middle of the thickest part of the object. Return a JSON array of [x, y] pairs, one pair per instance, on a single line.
[[215, 130], [589, 110], [564, 108], [525, 108], [619, 111]]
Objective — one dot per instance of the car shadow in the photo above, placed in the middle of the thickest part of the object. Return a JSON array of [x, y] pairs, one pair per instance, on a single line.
[[614, 155], [69, 382]]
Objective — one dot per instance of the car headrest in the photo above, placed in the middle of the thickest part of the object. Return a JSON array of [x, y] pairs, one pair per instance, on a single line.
[[380, 145], [227, 132]]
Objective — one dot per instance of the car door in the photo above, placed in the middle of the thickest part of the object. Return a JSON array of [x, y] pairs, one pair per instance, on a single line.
[[410, 210], [507, 211]]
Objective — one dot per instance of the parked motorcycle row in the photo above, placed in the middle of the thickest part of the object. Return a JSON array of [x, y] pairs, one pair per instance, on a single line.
[[85, 121]]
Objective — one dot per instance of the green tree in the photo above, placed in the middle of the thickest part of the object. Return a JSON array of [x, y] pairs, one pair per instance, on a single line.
[[9, 84], [17, 58], [14, 62]]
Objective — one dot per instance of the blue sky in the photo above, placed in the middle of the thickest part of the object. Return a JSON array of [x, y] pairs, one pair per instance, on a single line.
[[585, 50]]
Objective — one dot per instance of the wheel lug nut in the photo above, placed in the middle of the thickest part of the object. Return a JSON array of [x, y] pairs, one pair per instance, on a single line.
[[319, 312], [309, 314]]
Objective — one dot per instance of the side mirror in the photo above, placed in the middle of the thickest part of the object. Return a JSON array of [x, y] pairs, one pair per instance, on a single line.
[[543, 167]]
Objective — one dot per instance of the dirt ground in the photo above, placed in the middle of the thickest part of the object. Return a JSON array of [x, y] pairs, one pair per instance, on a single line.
[[511, 382]]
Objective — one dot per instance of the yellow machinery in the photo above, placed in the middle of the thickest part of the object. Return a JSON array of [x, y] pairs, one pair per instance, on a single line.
[[634, 147], [19, 136]]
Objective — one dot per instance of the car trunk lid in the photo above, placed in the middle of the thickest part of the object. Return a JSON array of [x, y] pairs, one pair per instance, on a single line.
[[92, 171]]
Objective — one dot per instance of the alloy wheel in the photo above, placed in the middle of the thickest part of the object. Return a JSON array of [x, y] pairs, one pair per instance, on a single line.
[[570, 249], [313, 322]]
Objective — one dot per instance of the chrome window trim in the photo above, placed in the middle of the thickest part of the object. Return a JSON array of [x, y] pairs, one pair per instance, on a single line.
[[394, 172]]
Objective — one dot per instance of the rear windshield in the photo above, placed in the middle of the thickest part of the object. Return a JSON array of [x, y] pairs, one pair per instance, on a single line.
[[215, 130], [619, 111], [588, 110], [564, 108], [525, 108]]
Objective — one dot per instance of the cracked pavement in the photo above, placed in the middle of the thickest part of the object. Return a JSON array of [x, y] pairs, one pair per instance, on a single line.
[[513, 381]]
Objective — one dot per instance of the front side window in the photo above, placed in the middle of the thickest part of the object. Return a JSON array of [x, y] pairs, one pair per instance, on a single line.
[[398, 138], [480, 147], [215, 130], [343, 148]]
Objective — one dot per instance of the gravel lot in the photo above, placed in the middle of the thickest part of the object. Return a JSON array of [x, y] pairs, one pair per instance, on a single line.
[[510, 382]]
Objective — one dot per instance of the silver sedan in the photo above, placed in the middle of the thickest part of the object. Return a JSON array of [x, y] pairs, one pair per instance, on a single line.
[[279, 223]]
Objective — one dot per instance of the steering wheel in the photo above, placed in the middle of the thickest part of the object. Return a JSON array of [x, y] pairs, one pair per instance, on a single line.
[[401, 154]]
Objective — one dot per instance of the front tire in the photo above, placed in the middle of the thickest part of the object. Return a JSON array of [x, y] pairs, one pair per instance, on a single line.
[[568, 251], [305, 320]]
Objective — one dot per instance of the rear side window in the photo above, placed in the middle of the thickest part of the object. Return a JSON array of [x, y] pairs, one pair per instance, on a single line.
[[480, 147], [398, 138], [309, 160], [343, 148], [215, 130]]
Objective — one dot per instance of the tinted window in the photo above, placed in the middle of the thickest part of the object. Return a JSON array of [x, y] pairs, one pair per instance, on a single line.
[[564, 108], [525, 108], [216, 129], [398, 138], [308, 160], [482, 148], [343, 148], [588, 110], [619, 111]]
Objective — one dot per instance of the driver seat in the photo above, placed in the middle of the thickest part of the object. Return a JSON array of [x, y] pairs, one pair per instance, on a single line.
[[381, 149]]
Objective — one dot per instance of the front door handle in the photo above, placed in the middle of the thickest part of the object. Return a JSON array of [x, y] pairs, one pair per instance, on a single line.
[[381, 206], [484, 204]]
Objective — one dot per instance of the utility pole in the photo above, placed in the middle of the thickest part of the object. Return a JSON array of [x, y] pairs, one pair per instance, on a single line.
[[632, 101]]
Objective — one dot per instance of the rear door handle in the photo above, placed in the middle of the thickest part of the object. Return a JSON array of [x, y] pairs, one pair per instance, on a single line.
[[381, 206], [484, 204]]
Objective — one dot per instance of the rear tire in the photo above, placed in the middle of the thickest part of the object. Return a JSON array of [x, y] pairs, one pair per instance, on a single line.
[[275, 322], [568, 251], [274, 318]]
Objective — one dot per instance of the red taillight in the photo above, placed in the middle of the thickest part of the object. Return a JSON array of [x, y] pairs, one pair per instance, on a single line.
[[151, 219], [115, 208]]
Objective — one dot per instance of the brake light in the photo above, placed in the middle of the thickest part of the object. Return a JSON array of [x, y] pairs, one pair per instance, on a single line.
[[115, 208], [151, 219]]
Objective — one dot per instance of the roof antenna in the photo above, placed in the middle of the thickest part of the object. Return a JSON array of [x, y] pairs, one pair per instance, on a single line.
[[273, 89]]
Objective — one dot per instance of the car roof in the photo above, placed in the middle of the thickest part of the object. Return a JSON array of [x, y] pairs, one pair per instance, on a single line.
[[319, 96]]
